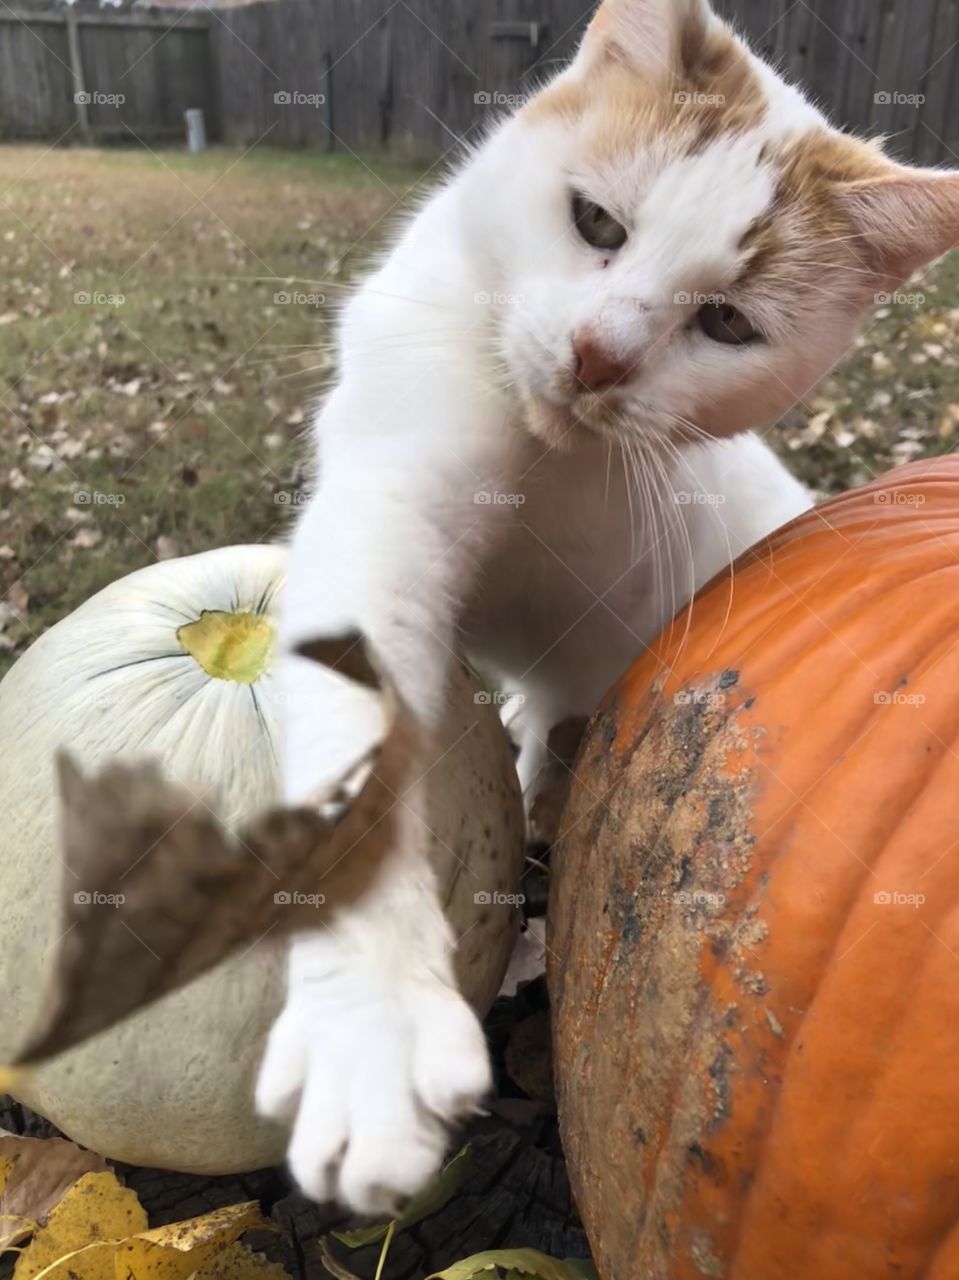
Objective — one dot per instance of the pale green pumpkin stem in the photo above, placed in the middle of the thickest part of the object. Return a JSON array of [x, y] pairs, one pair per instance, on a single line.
[[230, 646]]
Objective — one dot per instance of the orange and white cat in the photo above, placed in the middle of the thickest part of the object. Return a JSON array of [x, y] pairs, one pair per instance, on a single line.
[[534, 453]]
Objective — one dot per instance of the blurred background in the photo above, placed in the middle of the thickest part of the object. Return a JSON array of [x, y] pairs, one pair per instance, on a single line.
[[186, 190]]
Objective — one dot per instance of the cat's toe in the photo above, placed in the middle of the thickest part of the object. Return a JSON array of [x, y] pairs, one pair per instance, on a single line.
[[382, 1169], [321, 1133], [451, 1067], [283, 1069]]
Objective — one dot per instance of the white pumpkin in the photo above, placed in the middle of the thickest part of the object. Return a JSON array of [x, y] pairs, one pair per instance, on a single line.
[[174, 661]]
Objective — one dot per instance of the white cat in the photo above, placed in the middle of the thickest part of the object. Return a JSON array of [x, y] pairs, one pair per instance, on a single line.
[[666, 245]]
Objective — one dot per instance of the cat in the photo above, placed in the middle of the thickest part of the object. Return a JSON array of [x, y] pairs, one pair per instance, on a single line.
[[538, 447]]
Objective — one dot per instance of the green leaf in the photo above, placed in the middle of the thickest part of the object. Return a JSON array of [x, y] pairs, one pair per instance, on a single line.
[[510, 1264], [430, 1200], [582, 1269]]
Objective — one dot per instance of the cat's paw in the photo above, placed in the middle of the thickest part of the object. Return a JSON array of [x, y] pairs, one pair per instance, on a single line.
[[374, 1069]]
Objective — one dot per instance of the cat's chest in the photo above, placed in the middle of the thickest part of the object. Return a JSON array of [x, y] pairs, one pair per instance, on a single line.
[[574, 538]]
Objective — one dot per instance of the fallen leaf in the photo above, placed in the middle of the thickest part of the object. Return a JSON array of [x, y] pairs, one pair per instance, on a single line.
[[99, 1232], [168, 893], [96, 1212], [333, 1264], [18, 599], [508, 1264], [430, 1200], [176, 1251], [35, 1174], [238, 1262]]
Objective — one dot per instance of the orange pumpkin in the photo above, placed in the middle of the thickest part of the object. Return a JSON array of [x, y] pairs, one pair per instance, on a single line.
[[755, 915]]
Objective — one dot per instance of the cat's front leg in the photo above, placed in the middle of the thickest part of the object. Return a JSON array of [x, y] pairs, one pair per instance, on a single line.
[[376, 1052]]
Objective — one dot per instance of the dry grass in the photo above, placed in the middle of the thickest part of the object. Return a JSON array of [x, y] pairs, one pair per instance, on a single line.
[[169, 421]]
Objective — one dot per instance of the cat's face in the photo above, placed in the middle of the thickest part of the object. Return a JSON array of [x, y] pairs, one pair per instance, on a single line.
[[682, 238]]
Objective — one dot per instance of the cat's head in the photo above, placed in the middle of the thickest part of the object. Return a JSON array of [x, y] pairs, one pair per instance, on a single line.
[[680, 235]]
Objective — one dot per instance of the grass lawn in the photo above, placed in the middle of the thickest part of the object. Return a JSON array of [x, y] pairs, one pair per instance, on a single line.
[[154, 382]]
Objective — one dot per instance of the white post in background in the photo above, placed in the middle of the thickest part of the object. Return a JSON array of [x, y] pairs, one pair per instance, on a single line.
[[195, 129]]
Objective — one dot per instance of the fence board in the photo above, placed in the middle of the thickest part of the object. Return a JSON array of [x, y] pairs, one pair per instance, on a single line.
[[408, 75]]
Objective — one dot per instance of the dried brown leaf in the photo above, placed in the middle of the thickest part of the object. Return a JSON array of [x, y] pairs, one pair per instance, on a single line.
[[165, 893], [35, 1174]]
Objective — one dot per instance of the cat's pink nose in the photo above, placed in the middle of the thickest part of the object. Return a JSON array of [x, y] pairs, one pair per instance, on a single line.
[[593, 366]]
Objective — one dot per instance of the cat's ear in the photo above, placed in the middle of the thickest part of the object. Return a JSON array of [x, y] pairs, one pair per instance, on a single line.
[[652, 35], [908, 217]]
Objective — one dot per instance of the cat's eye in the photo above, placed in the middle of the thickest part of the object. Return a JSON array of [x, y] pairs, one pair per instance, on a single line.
[[725, 323], [597, 225]]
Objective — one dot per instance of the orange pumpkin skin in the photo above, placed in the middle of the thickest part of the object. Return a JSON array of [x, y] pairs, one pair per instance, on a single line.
[[754, 952]]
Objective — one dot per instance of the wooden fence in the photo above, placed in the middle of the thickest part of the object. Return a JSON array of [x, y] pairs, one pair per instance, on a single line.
[[414, 75], [95, 74]]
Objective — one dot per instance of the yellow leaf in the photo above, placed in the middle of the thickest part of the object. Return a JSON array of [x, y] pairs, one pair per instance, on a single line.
[[35, 1174], [237, 1262], [514, 1262], [72, 1244], [176, 1251]]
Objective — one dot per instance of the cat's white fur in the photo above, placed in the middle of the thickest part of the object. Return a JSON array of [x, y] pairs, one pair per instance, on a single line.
[[455, 385]]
